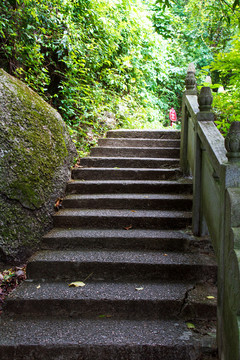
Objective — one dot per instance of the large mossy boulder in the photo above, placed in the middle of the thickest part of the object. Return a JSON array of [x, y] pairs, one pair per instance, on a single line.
[[35, 157]]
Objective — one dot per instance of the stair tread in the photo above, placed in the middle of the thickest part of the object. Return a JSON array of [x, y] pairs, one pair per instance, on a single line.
[[139, 182], [150, 152], [139, 138], [120, 233], [142, 169], [119, 158], [125, 173], [122, 213], [162, 131], [135, 148], [78, 238], [68, 332], [139, 141], [149, 134], [104, 161], [123, 256], [146, 196], [152, 291]]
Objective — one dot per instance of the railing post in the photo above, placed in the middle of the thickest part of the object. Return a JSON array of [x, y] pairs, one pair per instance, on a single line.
[[232, 142], [190, 83], [229, 259], [205, 104], [216, 197]]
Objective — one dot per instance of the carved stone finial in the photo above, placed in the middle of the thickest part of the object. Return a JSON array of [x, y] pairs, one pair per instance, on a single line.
[[205, 99], [191, 68], [190, 81], [232, 142], [208, 80]]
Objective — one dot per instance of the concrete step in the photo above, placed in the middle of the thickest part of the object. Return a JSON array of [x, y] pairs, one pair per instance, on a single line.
[[128, 186], [137, 152], [76, 238], [129, 162], [110, 265], [119, 300], [124, 174], [144, 134], [116, 218], [103, 339], [129, 201], [125, 142], [143, 282]]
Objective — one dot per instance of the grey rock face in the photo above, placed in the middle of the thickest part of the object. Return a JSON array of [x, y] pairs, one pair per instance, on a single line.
[[35, 157]]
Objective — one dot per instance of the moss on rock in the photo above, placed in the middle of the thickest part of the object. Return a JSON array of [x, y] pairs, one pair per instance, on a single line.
[[35, 156]]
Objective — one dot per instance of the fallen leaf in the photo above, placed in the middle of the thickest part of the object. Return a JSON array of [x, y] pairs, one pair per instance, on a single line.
[[190, 325], [77, 284], [128, 227], [58, 204], [38, 287], [133, 210], [139, 288], [210, 297], [165, 254]]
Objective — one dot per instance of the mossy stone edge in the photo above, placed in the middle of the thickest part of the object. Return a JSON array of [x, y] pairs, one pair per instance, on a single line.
[[36, 153]]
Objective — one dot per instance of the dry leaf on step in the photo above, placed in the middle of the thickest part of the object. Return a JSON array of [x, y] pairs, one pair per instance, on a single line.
[[77, 284], [128, 227]]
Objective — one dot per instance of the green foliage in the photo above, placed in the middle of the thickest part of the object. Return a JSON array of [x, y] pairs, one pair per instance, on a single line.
[[88, 58], [112, 63], [227, 103], [205, 33], [233, 5]]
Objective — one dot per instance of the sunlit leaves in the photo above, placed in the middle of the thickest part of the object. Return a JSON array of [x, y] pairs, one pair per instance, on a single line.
[[89, 58]]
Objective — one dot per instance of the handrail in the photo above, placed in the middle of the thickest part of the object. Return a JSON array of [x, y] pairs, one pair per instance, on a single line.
[[215, 167]]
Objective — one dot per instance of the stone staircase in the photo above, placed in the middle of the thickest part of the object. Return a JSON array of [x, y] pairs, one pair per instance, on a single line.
[[123, 231]]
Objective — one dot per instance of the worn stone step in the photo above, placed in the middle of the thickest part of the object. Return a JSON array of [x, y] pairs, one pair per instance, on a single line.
[[118, 218], [60, 238], [124, 174], [137, 152], [120, 265], [129, 201], [128, 186], [144, 134], [136, 300], [129, 162], [103, 339], [125, 142]]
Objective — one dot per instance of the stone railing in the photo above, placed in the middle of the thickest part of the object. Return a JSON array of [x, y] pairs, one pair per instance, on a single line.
[[215, 167]]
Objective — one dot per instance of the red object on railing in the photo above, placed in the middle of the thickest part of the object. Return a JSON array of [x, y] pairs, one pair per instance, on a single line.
[[172, 116]]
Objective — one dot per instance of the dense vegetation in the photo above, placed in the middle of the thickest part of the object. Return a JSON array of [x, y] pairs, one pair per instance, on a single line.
[[207, 33], [106, 63]]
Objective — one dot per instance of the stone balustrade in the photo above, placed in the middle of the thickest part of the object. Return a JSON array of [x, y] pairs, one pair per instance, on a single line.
[[214, 164]]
